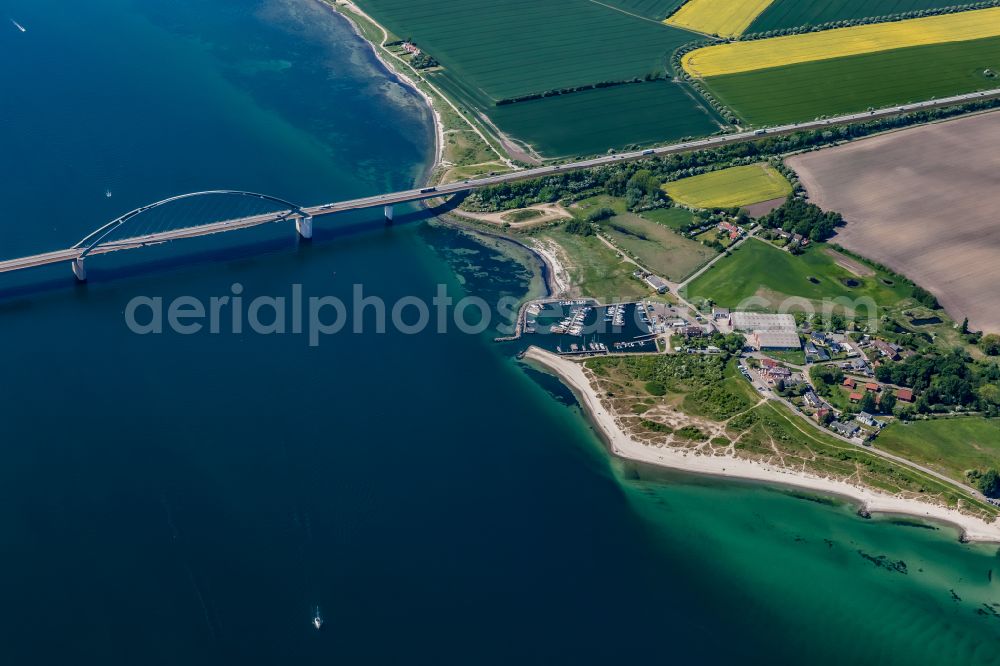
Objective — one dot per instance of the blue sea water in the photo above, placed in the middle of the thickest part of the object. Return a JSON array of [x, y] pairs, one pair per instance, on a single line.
[[188, 499]]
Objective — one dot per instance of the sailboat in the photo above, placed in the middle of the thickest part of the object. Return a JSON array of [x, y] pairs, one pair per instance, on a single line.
[[19, 26], [317, 619]]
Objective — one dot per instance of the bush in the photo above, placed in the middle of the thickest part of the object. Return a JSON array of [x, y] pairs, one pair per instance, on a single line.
[[579, 228], [989, 484], [656, 388], [600, 214]]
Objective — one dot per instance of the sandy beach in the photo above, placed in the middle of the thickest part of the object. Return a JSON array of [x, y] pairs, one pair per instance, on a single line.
[[575, 377]]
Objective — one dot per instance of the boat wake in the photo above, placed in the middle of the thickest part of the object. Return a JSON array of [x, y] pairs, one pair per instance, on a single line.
[[19, 26]]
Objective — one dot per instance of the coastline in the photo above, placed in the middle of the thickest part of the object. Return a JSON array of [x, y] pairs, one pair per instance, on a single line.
[[620, 444], [403, 77]]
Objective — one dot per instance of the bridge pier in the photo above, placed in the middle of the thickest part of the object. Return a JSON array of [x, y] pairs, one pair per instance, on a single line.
[[388, 213], [304, 225], [79, 270]]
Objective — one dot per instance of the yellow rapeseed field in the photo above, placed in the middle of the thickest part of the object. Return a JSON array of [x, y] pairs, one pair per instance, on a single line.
[[749, 56], [726, 18]]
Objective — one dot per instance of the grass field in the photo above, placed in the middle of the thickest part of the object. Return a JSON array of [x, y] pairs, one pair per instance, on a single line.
[[595, 269], [595, 120], [728, 20], [656, 247], [737, 186], [738, 57], [845, 85], [758, 269], [793, 13], [492, 51], [949, 446], [675, 218]]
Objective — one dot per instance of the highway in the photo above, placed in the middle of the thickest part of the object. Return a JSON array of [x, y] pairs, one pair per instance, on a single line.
[[421, 194]]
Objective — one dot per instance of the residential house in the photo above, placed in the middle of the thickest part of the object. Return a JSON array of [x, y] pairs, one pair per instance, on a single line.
[[845, 429]]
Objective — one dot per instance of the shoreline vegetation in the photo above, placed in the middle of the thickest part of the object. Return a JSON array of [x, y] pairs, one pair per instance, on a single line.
[[484, 149], [621, 443]]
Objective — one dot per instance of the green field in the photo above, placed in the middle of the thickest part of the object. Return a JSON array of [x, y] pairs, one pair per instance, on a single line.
[[949, 446], [595, 120], [494, 51], [845, 85], [758, 269], [656, 247], [794, 13], [675, 218], [728, 188]]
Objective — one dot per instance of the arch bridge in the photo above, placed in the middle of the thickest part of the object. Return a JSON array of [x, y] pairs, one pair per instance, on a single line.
[[113, 235]]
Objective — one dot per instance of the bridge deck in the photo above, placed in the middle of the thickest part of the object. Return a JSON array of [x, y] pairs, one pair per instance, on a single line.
[[409, 196]]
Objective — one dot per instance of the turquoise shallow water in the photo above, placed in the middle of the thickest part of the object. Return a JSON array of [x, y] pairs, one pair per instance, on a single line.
[[189, 499]]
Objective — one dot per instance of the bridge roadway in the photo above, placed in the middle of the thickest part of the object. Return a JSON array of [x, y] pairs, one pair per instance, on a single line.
[[409, 196]]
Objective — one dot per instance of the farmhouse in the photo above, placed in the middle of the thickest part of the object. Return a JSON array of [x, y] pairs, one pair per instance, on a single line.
[[904, 394], [849, 382]]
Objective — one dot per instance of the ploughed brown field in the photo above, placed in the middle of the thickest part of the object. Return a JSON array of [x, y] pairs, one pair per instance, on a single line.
[[924, 202]]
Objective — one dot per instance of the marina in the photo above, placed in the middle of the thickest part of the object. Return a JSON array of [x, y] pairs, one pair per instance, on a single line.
[[585, 328]]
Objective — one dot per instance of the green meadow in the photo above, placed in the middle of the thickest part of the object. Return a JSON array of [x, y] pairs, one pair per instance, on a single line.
[[844, 85], [656, 246], [949, 446], [793, 13], [759, 269]]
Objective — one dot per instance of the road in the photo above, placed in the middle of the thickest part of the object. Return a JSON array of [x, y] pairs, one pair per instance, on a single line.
[[421, 194]]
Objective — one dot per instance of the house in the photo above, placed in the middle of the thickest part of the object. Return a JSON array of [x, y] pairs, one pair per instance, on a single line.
[[728, 228], [887, 350], [693, 331], [904, 394], [821, 414], [856, 397], [657, 283], [873, 387], [843, 429], [720, 313], [849, 382], [868, 420], [812, 399]]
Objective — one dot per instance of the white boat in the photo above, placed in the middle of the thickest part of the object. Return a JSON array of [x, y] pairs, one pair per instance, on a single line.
[[19, 26], [317, 619], [107, 193]]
